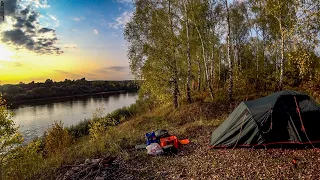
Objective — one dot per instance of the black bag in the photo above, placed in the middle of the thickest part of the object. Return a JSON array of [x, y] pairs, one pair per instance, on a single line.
[[161, 133]]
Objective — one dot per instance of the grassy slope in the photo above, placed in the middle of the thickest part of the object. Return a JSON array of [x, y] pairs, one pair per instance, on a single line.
[[195, 160]]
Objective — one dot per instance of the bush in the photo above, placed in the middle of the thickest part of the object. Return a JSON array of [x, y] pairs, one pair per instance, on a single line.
[[24, 162], [114, 118], [57, 139], [123, 113], [9, 135], [97, 129], [79, 130]]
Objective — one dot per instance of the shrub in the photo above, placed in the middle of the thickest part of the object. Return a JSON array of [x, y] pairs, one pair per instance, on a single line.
[[9, 135], [23, 162], [79, 130], [124, 113], [111, 119], [97, 129], [57, 139]]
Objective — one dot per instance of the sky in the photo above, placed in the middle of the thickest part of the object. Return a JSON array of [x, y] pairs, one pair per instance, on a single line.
[[64, 39]]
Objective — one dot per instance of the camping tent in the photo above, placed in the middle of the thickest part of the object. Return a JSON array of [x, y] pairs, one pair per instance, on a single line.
[[271, 120]]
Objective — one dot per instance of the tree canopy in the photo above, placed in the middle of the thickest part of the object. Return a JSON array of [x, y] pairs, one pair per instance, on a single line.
[[180, 47]]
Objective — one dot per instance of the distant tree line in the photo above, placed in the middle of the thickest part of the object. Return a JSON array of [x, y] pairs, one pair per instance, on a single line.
[[50, 88]]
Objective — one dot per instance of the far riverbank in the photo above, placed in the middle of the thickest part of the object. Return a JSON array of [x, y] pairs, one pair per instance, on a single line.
[[15, 103]]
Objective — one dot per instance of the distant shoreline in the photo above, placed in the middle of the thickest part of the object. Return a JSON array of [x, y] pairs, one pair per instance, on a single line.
[[68, 97]]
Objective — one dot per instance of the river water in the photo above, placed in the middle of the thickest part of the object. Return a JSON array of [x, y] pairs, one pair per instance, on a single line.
[[36, 117]]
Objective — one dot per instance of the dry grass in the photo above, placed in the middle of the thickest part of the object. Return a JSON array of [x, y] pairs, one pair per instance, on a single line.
[[196, 160]]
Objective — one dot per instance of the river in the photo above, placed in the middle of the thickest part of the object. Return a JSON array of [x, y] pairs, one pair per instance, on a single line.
[[35, 118]]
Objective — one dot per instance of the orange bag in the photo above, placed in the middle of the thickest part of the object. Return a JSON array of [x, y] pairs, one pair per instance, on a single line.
[[184, 141], [169, 140]]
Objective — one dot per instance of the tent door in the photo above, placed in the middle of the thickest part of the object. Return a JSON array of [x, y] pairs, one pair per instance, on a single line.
[[293, 120]]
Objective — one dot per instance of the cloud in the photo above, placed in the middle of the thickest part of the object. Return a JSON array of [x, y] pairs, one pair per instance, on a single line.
[[78, 18], [114, 34], [45, 30], [124, 1], [18, 64], [114, 73], [23, 29], [11, 63], [42, 4], [116, 68], [122, 20], [68, 73], [70, 46], [95, 31], [16, 37], [75, 75], [55, 20], [10, 7], [39, 3]]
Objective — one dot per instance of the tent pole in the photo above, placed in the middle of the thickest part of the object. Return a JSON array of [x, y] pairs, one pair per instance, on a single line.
[[302, 126], [292, 124], [240, 131]]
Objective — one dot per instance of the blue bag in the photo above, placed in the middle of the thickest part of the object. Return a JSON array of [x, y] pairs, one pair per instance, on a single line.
[[151, 138]]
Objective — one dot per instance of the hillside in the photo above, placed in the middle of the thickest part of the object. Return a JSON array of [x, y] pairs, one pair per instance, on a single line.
[[65, 153], [196, 160]]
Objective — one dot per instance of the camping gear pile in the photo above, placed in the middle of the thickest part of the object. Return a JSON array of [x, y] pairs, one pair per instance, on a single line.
[[160, 142], [281, 119]]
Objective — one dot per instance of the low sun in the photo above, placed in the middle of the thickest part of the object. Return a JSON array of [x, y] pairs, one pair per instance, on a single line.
[[5, 53]]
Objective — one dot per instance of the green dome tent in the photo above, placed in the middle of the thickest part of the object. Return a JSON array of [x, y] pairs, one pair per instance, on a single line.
[[281, 118]]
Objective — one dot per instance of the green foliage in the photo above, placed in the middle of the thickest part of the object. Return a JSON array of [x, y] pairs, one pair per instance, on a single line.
[[49, 89], [24, 162], [97, 129], [80, 129], [57, 139], [10, 138], [9, 135], [273, 46], [111, 119]]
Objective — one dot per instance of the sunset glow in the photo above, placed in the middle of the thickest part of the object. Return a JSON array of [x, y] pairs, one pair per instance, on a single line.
[[5, 54], [64, 40]]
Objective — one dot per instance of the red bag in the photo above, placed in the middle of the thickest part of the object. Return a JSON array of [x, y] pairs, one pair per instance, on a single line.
[[169, 140]]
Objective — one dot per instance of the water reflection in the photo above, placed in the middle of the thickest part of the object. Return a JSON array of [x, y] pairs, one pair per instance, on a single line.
[[50, 108], [34, 118], [116, 96]]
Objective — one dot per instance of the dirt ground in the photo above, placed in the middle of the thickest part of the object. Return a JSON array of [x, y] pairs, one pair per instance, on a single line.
[[197, 161]]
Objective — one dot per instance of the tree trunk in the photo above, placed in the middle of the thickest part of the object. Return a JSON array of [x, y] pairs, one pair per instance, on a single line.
[[175, 70], [199, 73], [205, 65], [188, 55], [175, 93], [212, 75], [219, 68], [276, 58], [282, 60], [230, 90], [257, 61], [235, 53], [264, 59]]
